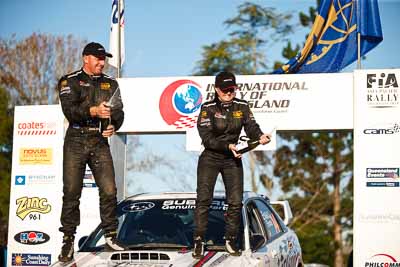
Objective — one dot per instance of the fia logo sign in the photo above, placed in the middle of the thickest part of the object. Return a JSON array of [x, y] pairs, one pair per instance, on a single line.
[[382, 90], [383, 81]]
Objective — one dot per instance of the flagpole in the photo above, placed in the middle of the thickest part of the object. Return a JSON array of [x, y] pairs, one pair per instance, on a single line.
[[358, 12], [119, 41]]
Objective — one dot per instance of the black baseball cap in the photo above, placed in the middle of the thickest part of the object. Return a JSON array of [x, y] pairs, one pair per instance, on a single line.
[[225, 80], [95, 49]]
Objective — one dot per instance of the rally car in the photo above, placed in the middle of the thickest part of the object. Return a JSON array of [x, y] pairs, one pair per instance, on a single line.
[[158, 230]]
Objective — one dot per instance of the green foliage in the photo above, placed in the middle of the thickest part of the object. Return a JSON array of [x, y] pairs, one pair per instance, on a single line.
[[6, 127], [252, 30], [316, 172], [316, 243]]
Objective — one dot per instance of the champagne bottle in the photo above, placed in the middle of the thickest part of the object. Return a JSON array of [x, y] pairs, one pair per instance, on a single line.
[[251, 144], [104, 124]]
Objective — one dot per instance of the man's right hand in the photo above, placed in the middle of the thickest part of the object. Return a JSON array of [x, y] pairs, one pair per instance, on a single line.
[[102, 111]]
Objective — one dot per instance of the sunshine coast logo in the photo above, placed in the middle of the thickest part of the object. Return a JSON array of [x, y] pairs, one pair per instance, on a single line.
[[179, 103], [28, 205]]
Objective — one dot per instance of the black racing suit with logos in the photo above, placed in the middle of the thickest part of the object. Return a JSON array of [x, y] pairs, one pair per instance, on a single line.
[[84, 144], [220, 124]]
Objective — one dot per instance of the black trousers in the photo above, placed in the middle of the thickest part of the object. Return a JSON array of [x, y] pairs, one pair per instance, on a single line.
[[83, 147], [209, 166]]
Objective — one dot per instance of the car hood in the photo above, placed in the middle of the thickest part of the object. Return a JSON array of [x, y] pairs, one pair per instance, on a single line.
[[159, 258]]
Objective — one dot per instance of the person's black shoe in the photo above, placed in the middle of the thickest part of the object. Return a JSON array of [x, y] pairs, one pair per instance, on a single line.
[[198, 249], [231, 246], [112, 243], [67, 250]]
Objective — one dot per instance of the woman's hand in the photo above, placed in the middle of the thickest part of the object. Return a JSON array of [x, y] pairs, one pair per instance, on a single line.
[[265, 139], [232, 147]]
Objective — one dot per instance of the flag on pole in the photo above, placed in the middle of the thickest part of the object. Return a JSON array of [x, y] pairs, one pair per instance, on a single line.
[[117, 39], [332, 43]]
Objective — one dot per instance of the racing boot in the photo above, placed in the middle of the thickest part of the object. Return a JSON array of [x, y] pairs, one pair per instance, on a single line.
[[231, 246], [112, 243], [198, 249], [67, 250]]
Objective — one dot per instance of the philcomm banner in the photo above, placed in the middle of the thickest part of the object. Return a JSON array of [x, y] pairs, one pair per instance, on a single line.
[[36, 188], [376, 168]]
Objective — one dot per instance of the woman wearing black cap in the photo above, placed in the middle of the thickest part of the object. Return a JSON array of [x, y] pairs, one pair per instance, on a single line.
[[220, 123]]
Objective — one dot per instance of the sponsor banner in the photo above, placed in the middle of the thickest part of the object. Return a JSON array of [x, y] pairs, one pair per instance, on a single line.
[[288, 102], [36, 186], [376, 168]]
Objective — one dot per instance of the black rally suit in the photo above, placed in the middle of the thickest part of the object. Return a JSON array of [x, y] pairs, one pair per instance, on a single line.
[[84, 144], [219, 124]]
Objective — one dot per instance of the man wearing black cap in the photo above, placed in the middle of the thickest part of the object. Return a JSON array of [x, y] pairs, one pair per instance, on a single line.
[[220, 123], [85, 95]]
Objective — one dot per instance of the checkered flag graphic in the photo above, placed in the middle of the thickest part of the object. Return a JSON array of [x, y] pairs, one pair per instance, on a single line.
[[186, 122]]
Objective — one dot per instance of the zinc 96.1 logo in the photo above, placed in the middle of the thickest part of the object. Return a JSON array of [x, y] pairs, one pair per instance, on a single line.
[[180, 102]]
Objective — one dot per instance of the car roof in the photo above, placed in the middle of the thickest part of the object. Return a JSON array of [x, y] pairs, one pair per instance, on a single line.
[[185, 195]]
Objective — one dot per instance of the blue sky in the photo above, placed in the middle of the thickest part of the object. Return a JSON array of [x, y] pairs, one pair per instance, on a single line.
[[165, 38]]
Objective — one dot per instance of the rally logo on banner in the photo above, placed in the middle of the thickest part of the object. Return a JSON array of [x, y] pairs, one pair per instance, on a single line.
[[179, 103], [382, 90]]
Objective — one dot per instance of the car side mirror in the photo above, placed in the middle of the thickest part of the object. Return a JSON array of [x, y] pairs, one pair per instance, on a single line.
[[82, 240], [257, 241]]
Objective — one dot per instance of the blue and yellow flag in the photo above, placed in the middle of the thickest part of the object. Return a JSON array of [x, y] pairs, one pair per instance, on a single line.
[[332, 43]]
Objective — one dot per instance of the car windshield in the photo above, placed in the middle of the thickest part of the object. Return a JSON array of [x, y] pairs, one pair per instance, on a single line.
[[166, 223]]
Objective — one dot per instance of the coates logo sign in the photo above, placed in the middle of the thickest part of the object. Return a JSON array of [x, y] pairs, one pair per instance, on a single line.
[[31, 238], [179, 103], [36, 128], [382, 260]]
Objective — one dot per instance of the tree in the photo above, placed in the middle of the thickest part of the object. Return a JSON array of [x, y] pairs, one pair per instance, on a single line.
[[316, 173], [30, 68], [254, 28], [6, 130]]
